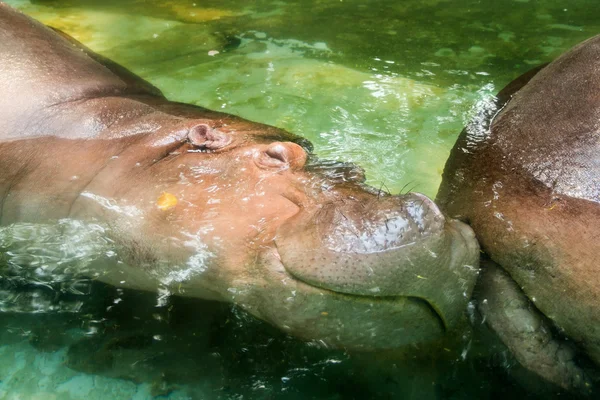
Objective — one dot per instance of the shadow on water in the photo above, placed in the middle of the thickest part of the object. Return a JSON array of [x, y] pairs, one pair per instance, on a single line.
[[213, 350]]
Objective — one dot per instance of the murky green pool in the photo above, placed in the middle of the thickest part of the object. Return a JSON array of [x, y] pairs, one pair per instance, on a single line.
[[385, 84]]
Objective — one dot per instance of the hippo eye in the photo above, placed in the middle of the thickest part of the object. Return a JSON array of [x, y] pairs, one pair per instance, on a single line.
[[204, 137]]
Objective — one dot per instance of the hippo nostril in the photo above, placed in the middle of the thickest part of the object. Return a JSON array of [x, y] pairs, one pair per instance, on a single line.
[[278, 152], [282, 154]]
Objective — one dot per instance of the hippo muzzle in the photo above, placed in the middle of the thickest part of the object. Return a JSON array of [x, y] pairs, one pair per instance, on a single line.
[[398, 251]]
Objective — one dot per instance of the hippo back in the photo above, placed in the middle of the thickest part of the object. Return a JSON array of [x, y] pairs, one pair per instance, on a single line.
[[551, 127], [40, 72], [529, 185]]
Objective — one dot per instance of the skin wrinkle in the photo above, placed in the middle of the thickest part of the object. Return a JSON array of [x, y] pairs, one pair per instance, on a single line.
[[166, 155], [31, 122], [109, 124], [131, 95], [89, 182]]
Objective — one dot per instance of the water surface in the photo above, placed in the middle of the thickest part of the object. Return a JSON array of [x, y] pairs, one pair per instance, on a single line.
[[385, 84]]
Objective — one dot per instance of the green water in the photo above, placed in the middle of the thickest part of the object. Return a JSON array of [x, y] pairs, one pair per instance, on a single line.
[[385, 84]]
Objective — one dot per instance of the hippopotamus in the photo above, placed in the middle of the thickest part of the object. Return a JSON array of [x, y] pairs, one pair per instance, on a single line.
[[527, 180], [209, 205]]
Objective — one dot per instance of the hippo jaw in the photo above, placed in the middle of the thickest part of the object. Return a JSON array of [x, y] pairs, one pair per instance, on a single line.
[[340, 320], [355, 321], [407, 254]]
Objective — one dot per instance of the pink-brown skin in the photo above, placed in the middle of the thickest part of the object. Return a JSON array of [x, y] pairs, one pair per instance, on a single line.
[[212, 206], [530, 188]]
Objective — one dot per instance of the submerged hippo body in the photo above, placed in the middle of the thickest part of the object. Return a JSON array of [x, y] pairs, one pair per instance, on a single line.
[[212, 206], [529, 185]]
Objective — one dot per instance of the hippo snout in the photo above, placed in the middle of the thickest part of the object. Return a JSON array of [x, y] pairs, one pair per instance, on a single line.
[[392, 246]]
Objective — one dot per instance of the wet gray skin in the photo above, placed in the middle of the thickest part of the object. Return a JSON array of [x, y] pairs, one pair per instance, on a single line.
[[526, 177], [212, 206]]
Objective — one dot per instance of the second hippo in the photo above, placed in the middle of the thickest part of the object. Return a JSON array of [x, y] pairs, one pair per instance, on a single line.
[[528, 181]]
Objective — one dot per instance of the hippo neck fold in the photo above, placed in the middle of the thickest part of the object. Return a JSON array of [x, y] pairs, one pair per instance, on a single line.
[[32, 54]]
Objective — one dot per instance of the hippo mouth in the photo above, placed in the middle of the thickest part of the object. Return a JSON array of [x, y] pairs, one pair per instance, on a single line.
[[384, 301], [355, 322], [420, 258]]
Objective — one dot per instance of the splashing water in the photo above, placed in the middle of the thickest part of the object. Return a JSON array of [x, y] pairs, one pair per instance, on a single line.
[[43, 260]]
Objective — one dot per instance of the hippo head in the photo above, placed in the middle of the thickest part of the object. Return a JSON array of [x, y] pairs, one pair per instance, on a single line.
[[208, 205], [221, 208]]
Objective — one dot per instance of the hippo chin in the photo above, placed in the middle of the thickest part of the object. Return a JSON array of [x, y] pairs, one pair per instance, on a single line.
[[529, 185], [208, 205]]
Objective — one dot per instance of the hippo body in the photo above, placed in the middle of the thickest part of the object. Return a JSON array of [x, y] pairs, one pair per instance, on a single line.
[[205, 204], [528, 182]]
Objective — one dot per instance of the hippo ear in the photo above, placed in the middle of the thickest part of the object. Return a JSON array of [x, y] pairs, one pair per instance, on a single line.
[[205, 137]]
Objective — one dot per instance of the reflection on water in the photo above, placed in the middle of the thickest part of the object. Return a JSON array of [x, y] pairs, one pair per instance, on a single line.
[[118, 344], [385, 84]]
